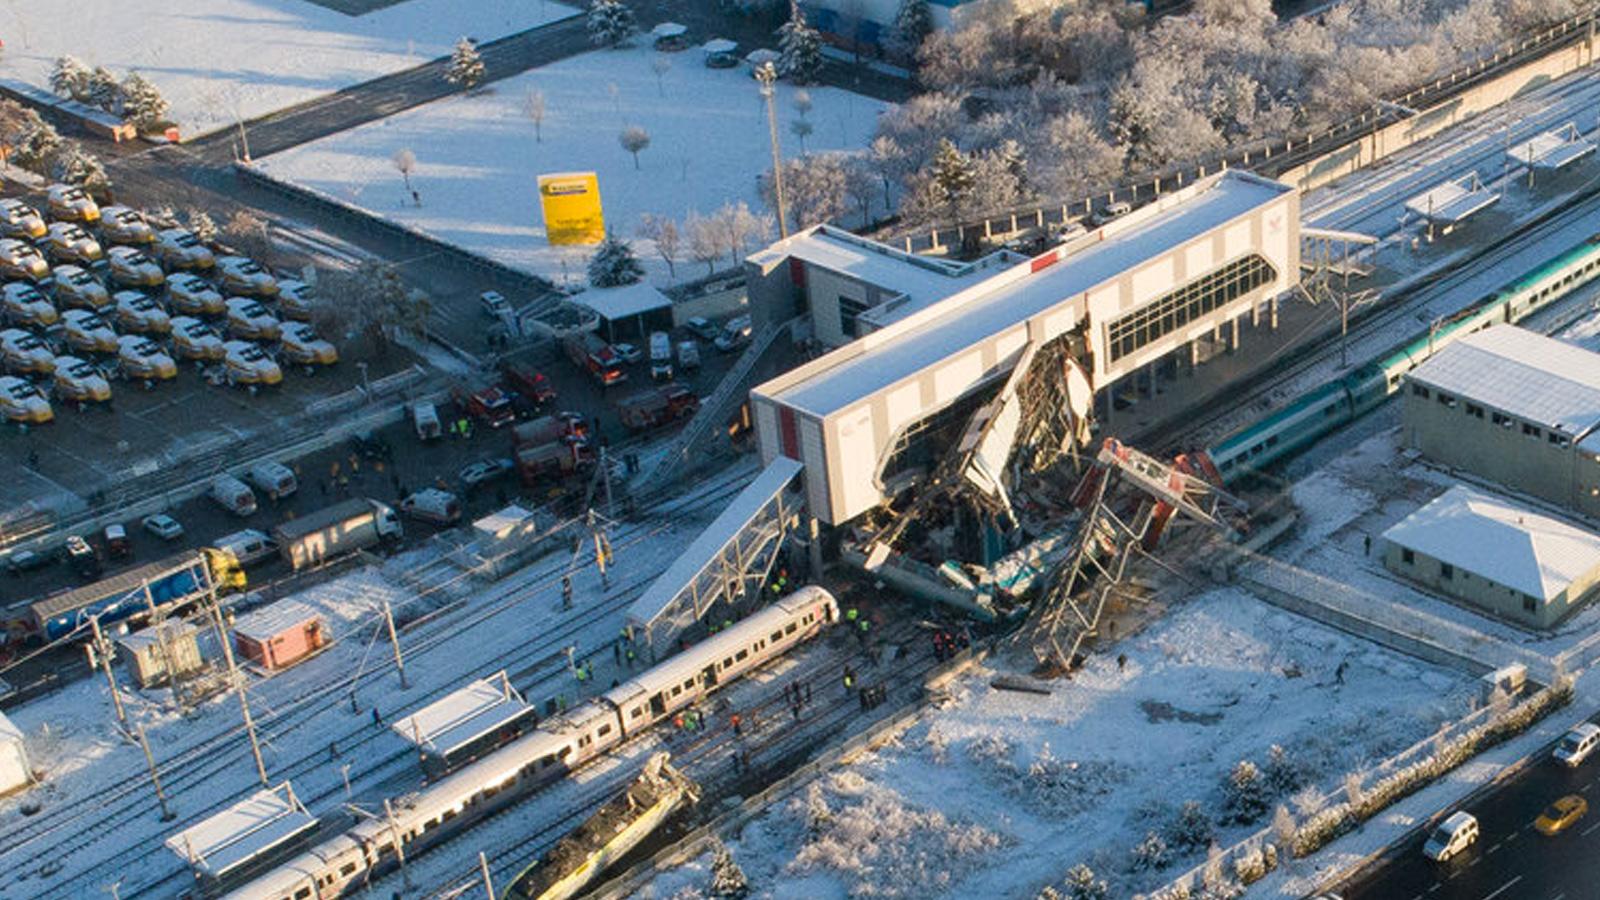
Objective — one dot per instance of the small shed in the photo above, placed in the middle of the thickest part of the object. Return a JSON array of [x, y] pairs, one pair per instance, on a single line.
[[1508, 560], [280, 635], [467, 723], [15, 773], [245, 837], [629, 312], [171, 649]]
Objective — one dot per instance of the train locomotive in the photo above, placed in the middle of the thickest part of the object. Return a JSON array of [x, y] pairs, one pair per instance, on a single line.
[[1334, 405], [348, 861]]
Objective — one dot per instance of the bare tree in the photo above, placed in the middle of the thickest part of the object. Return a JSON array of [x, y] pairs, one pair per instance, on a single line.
[[406, 162], [634, 139], [740, 226], [861, 185], [814, 188], [802, 129], [534, 107], [663, 232], [660, 65], [247, 233], [802, 102], [706, 240]]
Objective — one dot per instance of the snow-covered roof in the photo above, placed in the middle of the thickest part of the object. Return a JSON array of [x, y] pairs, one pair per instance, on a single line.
[[1548, 382], [242, 832], [709, 545], [919, 280], [1453, 201], [962, 321], [620, 302], [269, 622], [459, 718], [1525, 551], [9, 733], [1550, 150], [173, 630], [502, 522]]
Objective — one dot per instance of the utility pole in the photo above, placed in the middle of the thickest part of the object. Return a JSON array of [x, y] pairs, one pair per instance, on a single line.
[[155, 778], [766, 75], [488, 883], [399, 660], [238, 687], [100, 651], [399, 846]]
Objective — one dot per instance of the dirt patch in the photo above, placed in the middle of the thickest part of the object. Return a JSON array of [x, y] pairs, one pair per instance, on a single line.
[[1158, 711]]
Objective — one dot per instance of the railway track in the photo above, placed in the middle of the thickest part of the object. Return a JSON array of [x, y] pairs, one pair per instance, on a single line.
[[201, 762]]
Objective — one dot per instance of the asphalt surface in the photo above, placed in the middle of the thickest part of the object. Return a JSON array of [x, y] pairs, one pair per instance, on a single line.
[[1510, 860]]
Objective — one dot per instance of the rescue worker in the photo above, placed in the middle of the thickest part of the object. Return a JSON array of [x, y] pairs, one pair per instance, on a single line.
[[737, 730], [566, 592], [851, 614]]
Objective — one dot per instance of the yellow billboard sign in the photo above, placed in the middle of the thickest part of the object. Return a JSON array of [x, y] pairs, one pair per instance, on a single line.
[[571, 204]]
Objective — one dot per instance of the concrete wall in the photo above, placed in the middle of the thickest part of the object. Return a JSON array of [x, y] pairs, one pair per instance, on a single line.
[[1429, 122]]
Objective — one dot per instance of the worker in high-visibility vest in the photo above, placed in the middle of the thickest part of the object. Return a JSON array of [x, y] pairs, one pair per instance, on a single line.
[[851, 614]]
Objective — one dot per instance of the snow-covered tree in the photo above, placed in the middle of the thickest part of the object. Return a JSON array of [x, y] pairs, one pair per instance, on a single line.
[[1076, 160], [741, 227], [104, 91], [610, 23], [70, 78], [143, 106], [1283, 825], [861, 185], [913, 22], [535, 108], [634, 139], [727, 879], [247, 233], [954, 174], [614, 264], [706, 240], [74, 165], [1151, 853], [803, 103], [1192, 827], [818, 814], [375, 301], [661, 65], [801, 129], [465, 69], [1048, 892], [1082, 884], [36, 143], [814, 187], [201, 224], [663, 232], [405, 162], [996, 184], [1245, 792], [799, 48]]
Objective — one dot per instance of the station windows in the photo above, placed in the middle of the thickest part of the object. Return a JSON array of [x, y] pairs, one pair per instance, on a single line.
[[1531, 430], [850, 311], [1447, 400], [1408, 557], [1529, 604], [1190, 303], [1474, 410], [1502, 421], [1419, 391], [1447, 571]]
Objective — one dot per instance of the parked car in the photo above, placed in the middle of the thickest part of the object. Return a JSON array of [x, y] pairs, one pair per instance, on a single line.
[[245, 277], [432, 505], [233, 495], [247, 318], [19, 220], [24, 305], [163, 526], [722, 60], [628, 353], [70, 203], [688, 355], [701, 327], [249, 365], [68, 242], [1575, 747], [22, 403], [485, 471], [121, 225], [369, 446], [1108, 212], [193, 339], [130, 267], [660, 356], [296, 299], [273, 479], [87, 332], [81, 556], [76, 381], [1561, 815], [142, 358], [192, 295], [138, 313], [19, 259], [25, 353], [734, 335], [75, 288], [117, 544], [302, 346], [26, 561], [178, 248]]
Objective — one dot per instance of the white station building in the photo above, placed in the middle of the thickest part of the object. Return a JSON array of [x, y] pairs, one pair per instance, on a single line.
[[931, 339]]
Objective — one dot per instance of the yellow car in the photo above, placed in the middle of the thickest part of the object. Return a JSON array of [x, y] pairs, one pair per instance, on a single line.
[[296, 300], [142, 358], [121, 225], [249, 365], [19, 259], [244, 277], [247, 318], [192, 295], [130, 267], [1560, 815], [24, 305], [19, 220], [70, 203], [79, 382], [24, 352], [180, 249], [67, 241], [194, 339], [77, 289], [139, 314], [86, 332], [303, 347], [22, 402]]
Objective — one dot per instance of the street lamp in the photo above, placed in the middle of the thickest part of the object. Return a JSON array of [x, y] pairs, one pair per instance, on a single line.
[[766, 75]]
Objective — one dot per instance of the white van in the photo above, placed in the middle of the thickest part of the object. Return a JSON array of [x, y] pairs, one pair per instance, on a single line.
[[660, 356], [247, 547], [1453, 835], [425, 419], [1577, 744], [233, 495], [688, 355], [273, 479], [432, 505]]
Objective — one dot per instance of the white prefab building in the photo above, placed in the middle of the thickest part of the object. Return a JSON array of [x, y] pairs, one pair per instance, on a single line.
[[15, 773], [1128, 294], [1493, 554]]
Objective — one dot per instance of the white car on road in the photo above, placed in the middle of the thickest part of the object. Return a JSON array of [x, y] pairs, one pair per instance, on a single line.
[[163, 526]]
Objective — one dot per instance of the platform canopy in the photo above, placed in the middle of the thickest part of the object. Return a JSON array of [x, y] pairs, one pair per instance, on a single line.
[[456, 720], [1551, 150], [242, 832], [1453, 201]]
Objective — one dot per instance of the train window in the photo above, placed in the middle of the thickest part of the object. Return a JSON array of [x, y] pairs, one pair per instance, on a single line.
[[777, 636], [742, 655], [1447, 400], [583, 742], [1272, 441], [604, 730], [1330, 409], [689, 685], [490, 791], [790, 629], [430, 825], [1447, 571], [565, 752], [727, 662], [1420, 391], [638, 711], [386, 849], [676, 690], [1530, 430], [1502, 421], [1474, 410], [1553, 437], [302, 894], [448, 815], [347, 869]]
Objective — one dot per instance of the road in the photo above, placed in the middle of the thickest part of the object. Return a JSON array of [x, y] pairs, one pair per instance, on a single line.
[[1510, 860]]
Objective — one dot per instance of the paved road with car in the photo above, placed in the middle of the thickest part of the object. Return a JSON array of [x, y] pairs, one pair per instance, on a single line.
[[1512, 859]]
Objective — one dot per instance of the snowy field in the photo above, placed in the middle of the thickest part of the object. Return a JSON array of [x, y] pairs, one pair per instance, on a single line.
[[477, 159], [1002, 792], [217, 60]]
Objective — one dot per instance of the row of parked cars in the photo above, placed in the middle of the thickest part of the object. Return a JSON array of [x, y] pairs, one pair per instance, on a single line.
[[79, 313]]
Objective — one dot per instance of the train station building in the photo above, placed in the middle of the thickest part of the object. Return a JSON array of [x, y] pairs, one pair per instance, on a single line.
[[933, 341]]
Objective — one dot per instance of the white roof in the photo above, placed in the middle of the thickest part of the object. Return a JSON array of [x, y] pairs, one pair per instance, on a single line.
[[1453, 200], [920, 280], [972, 319], [455, 720], [503, 522], [669, 29], [1548, 382], [1550, 150], [242, 832], [265, 624], [1527, 552], [706, 548], [620, 302], [146, 637], [9, 732]]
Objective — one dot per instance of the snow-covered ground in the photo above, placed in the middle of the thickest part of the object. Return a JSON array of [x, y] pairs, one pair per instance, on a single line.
[[219, 60], [478, 161], [1002, 792]]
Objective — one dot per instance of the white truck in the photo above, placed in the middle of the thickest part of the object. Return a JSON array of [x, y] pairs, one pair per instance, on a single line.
[[246, 547], [346, 527]]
